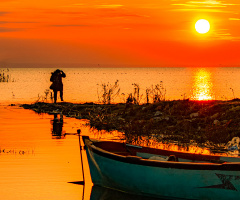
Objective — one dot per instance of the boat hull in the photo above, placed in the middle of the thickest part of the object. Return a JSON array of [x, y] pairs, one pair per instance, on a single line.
[[163, 179]]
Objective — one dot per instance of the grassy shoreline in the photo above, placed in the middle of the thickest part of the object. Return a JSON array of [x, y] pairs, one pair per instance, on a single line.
[[210, 123]]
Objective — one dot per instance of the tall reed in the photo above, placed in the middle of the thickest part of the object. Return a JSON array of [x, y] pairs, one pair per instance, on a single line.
[[108, 92]]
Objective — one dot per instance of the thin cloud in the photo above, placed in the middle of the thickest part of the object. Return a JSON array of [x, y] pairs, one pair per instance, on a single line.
[[206, 6], [234, 19], [69, 25], [3, 13], [121, 15], [214, 4], [90, 5], [17, 22], [223, 34], [74, 5], [4, 30], [64, 12], [109, 6], [100, 10], [199, 10]]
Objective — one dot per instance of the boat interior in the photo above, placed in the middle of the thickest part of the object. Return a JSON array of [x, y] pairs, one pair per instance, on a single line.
[[124, 149]]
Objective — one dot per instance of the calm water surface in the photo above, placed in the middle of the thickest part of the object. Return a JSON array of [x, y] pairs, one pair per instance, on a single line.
[[38, 163], [40, 159], [84, 84], [34, 164]]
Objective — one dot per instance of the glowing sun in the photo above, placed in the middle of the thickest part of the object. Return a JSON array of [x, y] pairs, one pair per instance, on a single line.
[[202, 26]]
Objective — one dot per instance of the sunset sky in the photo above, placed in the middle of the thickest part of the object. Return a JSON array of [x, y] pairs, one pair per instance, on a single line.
[[118, 32]]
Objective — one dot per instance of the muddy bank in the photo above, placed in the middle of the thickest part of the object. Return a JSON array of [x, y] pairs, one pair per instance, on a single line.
[[210, 122]]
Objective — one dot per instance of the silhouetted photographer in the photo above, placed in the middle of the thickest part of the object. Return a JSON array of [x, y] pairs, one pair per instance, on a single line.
[[57, 85]]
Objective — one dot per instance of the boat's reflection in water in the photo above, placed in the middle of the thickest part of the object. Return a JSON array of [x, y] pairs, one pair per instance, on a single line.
[[101, 193]]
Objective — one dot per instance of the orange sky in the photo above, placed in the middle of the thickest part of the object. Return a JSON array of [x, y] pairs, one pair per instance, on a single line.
[[135, 32]]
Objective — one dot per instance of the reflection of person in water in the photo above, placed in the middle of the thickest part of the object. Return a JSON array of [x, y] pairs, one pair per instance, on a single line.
[[57, 85], [57, 126]]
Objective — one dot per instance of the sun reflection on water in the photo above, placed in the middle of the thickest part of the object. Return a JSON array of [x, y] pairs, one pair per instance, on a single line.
[[202, 85]]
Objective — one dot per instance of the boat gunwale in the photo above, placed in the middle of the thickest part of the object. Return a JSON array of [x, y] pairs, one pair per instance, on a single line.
[[226, 166]]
